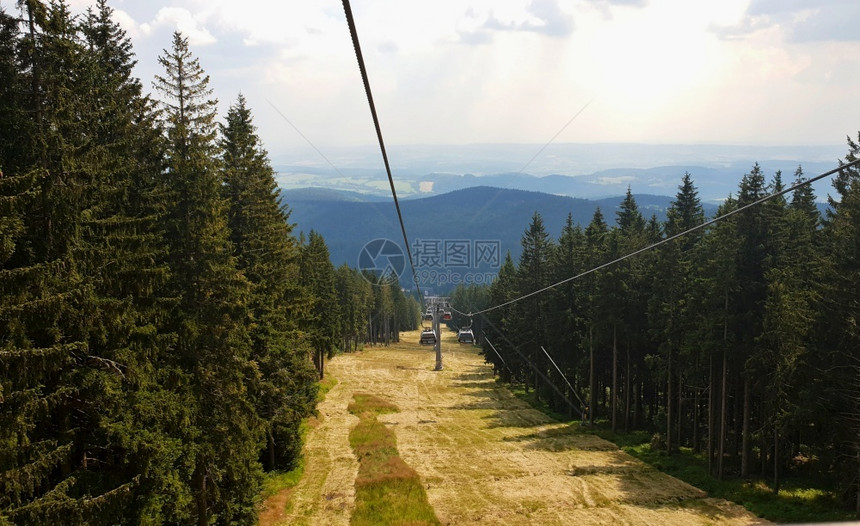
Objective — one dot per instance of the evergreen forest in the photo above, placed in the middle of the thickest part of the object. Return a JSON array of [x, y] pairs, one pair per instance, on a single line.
[[739, 340], [162, 328]]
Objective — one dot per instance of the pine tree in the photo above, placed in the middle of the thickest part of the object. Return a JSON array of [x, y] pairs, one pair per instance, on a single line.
[[752, 231], [12, 88], [317, 274], [268, 255], [670, 316], [566, 322], [596, 244], [355, 295], [718, 284], [121, 253], [533, 273], [60, 320], [507, 363], [838, 337], [803, 199], [627, 279], [213, 366]]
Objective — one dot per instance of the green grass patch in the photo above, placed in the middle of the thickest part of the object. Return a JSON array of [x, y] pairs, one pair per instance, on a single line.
[[387, 490], [325, 385], [532, 399], [276, 481]]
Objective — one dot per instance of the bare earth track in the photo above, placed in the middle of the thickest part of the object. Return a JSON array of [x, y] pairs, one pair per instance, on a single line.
[[484, 456]]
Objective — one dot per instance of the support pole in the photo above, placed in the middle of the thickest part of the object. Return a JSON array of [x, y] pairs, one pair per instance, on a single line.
[[437, 316]]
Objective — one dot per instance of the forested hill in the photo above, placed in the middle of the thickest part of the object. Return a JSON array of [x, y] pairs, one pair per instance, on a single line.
[[477, 213]]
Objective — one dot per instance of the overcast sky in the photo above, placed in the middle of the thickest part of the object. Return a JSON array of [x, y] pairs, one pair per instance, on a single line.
[[766, 72]]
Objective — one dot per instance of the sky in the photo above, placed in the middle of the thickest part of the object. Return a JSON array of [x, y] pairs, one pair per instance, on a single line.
[[454, 72]]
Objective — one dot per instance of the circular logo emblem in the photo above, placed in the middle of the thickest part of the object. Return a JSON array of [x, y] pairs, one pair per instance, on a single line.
[[381, 261]]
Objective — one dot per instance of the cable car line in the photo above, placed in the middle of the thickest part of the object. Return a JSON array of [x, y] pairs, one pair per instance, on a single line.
[[664, 241], [535, 368], [572, 390], [302, 135], [535, 156], [355, 43], [493, 347]]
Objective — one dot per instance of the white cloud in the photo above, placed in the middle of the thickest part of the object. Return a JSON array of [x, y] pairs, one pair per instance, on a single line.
[[183, 21], [127, 23], [472, 71]]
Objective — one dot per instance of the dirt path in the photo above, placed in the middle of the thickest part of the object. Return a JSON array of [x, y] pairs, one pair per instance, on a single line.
[[484, 456]]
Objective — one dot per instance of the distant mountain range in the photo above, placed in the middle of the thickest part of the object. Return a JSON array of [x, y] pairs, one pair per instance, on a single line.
[[478, 214], [488, 192], [590, 171]]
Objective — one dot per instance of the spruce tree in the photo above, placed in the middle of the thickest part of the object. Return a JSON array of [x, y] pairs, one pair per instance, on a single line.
[[12, 88], [499, 322], [73, 469], [629, 279], [838, 334], [565, 319], [718, 285], [317, 274], [752, 232], [533, 273], [212, 353], [268, 255], [596, 244]]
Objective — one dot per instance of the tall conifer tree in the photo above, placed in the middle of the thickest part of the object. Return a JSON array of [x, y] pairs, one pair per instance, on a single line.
[[268, 255], [213, 348]]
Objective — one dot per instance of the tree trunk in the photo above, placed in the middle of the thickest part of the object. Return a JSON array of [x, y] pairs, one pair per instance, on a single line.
[[592, 389], [775, 459], [614, 376], [669, 395], [723, 415], [711, 414], [200, 498], [696, 448], [680, 411], [857, 503], [637, 403], [745, 438], [737, 418], [765, 445], [627, 392], [271, 451]]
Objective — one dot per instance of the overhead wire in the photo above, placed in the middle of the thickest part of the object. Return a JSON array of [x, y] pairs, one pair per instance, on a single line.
[[535, 368], [666, 240], [373, 206], [355, 43]]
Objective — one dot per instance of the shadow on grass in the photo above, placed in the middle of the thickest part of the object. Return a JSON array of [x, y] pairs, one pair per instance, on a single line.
[[799, 500], [645, 486]]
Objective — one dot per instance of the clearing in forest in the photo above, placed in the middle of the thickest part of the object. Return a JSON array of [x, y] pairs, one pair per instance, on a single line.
[[483, 456]]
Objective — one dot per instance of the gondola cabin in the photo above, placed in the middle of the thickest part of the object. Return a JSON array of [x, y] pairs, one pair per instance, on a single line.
[[428, 337], [446, 316], [465, 336]]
